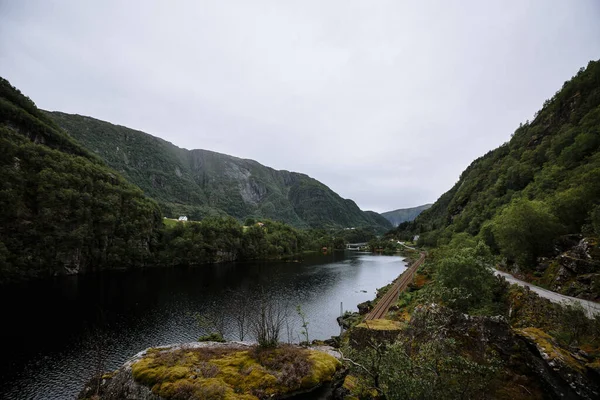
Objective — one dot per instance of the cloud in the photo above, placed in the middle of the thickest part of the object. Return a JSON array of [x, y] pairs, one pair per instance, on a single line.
[[385, 102]]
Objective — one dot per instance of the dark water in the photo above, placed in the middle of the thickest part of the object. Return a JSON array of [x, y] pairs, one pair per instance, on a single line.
[[55, 333]]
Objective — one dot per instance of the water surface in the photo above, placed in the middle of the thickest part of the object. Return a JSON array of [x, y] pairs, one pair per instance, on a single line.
[[58, 332]]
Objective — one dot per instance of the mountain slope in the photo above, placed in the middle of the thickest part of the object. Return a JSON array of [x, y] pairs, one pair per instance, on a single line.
[[537, 195], [554, 159], [400, 215], [63, 210], [200, 182]]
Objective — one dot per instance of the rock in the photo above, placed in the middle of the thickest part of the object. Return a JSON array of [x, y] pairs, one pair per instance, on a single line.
[[348, 319], [530, 358], [379, 330], [543, 264], [577, 268], [563, 371], [179, 369], [121, 386], [365, 308]]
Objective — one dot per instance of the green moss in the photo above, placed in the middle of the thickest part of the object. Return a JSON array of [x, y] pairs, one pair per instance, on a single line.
[[108, 375], [358, 388], [206, 373], [381, 325], [324, 366], [546, 344]]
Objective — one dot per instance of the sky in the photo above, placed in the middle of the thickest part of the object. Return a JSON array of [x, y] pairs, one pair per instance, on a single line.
[[386, 102]]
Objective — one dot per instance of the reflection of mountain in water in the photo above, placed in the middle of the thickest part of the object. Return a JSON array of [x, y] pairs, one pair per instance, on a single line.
[[139, 309]]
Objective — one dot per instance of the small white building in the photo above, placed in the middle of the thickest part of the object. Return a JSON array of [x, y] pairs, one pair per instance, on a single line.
[[182, 218], [416, 238]]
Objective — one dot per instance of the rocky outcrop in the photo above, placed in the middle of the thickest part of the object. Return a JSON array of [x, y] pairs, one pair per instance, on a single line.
[[365, 307], [376, 330], [576, 271], [528, 355], [530, 363], [222, 370], [565, 372]]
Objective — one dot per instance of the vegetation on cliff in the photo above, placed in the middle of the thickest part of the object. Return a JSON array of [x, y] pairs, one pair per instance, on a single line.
[[201, 183], [461, 332], [530, 206], [63, 210], [524, 196]]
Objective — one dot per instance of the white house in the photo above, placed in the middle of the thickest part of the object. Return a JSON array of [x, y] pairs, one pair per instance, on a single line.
[[182, 218], [416, 238]]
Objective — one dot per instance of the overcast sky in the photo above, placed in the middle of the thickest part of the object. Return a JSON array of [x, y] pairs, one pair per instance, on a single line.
[[386, 102]]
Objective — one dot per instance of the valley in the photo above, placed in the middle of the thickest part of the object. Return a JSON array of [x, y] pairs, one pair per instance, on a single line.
[[114, 242]]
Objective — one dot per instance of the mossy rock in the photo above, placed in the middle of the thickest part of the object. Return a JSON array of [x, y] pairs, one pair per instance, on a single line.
[[550, 350], [233, 373], [378, 330], [356, 389]]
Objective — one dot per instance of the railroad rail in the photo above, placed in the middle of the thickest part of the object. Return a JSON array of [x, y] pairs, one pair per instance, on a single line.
[[400, 284]]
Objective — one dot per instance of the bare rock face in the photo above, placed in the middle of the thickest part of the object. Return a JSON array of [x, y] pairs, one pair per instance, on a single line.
[[578, 272], [120, 386], [564, 372]]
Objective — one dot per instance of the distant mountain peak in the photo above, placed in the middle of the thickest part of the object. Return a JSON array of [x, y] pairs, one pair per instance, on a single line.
[[396, 217]]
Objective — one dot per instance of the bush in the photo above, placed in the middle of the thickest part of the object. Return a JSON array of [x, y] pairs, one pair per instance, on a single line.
[[463, 280], [525, 230], [213, 337]]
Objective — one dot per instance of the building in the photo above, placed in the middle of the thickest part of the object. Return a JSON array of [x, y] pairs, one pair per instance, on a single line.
[[182, 218]]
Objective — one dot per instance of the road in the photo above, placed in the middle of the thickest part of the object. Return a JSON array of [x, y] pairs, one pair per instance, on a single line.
[[408, 247], [590, 307]]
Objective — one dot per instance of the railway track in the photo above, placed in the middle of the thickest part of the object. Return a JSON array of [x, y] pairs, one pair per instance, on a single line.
[[400, 284]]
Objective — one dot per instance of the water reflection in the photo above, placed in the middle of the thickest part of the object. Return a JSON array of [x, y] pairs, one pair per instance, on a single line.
[[53, 327]]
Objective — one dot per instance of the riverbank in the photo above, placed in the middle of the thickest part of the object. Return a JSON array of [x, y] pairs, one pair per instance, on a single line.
[[510, 341]]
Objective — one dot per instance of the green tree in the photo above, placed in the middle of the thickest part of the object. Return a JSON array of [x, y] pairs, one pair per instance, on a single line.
[[525, 230], [464, 278]]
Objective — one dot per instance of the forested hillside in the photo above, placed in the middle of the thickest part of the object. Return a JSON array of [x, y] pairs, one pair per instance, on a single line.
[[396, 217], [537, 195], [63, 210], [202, 183]]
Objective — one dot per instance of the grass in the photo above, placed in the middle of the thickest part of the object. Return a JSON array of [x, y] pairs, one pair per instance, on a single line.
[[381, 325], [233, 373], [169, 222]]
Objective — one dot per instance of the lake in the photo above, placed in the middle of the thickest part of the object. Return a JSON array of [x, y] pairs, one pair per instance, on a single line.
[[58, 332]]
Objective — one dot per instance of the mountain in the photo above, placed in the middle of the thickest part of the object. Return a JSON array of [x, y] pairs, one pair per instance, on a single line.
[[537, 195], [400, 215], [200, 183], [63, 210]]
